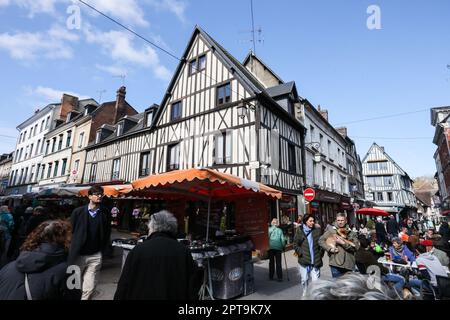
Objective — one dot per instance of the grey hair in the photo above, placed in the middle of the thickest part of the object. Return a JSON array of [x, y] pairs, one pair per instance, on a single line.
[[163, 221], [341, 215], [351, 286]]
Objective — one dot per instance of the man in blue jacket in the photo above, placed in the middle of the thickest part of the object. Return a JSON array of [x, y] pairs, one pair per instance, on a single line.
[[399, 251]]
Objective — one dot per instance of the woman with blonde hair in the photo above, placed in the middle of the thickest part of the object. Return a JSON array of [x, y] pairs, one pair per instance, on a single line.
[[39, 273]]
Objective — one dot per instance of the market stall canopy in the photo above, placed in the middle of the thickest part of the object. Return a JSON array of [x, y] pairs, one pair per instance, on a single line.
[[60, 192], [110, 190], [202, 184], [373, 212]]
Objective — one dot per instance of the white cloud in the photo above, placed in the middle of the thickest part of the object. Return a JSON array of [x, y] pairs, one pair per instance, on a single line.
[[176, 7], [28, 46], [112, 70], [127, 11], [120, 47], [4, 3], [58, 32], [50, 95], [37, 6]]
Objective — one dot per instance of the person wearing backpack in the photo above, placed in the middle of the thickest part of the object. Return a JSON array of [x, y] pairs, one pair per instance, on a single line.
[[7, 227], [276, 247], [308, 250]]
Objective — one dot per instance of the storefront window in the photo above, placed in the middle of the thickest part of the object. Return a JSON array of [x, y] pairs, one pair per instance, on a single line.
[[288, 215]]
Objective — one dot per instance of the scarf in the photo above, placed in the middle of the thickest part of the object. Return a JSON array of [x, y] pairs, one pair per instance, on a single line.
[[398, 252], [308, 231]]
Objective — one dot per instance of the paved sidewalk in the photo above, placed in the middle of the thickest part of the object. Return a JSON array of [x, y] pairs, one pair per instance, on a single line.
[[264, 288]]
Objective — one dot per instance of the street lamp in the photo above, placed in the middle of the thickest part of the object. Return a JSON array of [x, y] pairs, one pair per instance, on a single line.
[[316, 146], [243, 108]]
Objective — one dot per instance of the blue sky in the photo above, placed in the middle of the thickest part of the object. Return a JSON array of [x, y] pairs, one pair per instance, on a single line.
[[325, 46]]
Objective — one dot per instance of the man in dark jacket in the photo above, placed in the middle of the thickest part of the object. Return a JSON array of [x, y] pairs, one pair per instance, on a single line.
[[308, 250], [380, 231], [91, 227], [39, 216], [161, 268], [392, 227]]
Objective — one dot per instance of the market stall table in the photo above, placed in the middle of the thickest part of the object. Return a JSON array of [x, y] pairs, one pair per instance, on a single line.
[[225, 264]]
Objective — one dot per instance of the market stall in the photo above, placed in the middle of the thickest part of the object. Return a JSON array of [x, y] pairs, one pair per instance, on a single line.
[[221, 217]]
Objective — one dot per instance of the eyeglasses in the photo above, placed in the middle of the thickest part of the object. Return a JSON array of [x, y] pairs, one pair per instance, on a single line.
[[97, 194]]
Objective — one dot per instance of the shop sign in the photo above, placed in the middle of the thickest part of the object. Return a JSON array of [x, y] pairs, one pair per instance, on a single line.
[[315, 204]]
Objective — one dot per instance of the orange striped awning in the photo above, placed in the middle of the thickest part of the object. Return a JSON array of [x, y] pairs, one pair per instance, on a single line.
[[200, 183]]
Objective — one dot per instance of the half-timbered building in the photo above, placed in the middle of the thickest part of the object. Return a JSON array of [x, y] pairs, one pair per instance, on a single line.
[[387, 184], [217, 114]]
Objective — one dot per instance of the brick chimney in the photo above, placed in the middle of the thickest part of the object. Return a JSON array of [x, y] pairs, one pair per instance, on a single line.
[[342, 131], [68, 103], [120, 109], [323, 113]]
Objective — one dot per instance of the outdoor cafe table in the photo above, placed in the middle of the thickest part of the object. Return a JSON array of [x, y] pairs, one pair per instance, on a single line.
[[412, 265], [392, 264]]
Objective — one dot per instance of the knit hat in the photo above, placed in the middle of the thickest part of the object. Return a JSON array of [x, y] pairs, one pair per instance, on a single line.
[[427, 243], [398, 240]]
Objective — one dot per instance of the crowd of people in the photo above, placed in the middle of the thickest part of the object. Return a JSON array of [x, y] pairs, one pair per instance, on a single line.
[[60, 259], [38, 249], [358, 250]]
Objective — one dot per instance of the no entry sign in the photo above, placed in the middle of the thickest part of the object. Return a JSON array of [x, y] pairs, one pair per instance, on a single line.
[[309, 194]]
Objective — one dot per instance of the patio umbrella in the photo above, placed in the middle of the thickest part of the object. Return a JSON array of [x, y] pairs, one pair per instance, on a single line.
[[203, 184], [110, 191], [373, 212]]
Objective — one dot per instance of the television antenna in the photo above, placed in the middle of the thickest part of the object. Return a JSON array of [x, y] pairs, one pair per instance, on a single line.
[[100, 92], [121, 76]]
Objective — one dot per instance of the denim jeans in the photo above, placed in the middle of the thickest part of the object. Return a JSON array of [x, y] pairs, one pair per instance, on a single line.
[[397, 279], [305, 276], [338, 272]]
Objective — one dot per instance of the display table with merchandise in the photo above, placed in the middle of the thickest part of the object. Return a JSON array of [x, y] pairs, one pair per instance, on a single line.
[[227, 264]]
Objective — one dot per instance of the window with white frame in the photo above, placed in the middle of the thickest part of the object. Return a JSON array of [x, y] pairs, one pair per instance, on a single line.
[[116, 169], [173, 157], [222, 148]]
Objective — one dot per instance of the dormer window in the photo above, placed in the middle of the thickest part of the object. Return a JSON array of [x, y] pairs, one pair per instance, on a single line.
[[89, 109], [149, 118], [98, 137], [119, 129], [291, 107]]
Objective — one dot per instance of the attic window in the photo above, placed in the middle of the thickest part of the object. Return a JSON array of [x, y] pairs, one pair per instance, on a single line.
[[119, 129], [98, 137], [149, 118], [197, 65]]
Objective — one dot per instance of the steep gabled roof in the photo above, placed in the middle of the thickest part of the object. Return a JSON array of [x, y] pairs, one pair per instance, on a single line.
[[244, 76], [282, 89], [251, 55], [375, 145]]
